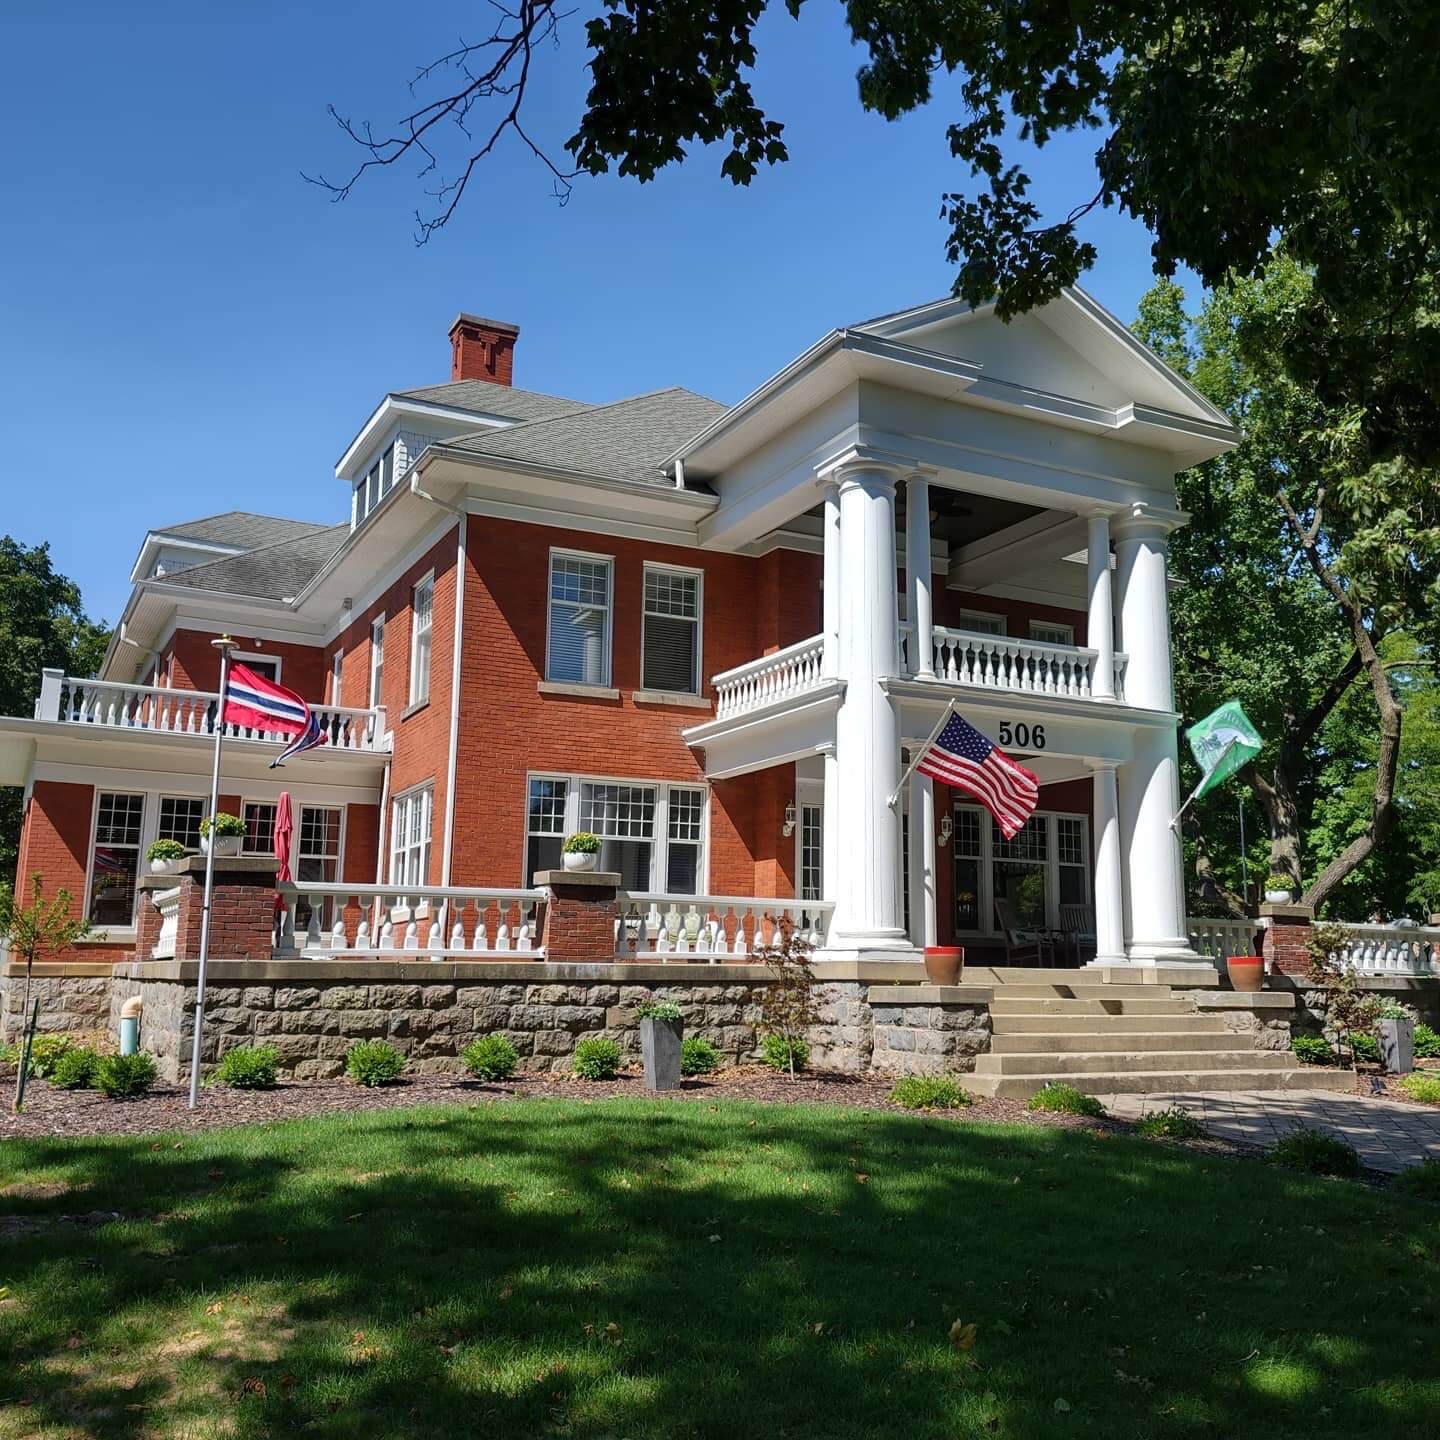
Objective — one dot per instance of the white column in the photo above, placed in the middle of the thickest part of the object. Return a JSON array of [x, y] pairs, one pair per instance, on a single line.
[[1109, 872], [830, 623], [1148, 785], [869, 916], [830, 823], [922, 860], [917, 576], [1100, 628]]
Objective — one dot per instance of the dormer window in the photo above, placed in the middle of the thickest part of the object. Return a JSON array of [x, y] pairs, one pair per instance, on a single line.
[[377, 482]]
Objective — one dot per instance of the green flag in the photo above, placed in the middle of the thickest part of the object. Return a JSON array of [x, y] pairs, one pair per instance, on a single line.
[[1222, 742]]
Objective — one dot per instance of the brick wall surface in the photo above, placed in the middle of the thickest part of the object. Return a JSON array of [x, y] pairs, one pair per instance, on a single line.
[[192, 663]]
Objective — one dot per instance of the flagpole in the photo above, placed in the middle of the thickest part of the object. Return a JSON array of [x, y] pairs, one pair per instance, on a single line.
[[224, 645], [917, 755]]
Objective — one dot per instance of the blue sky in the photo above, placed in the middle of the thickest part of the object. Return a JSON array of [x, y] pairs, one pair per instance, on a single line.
[[187, 327]]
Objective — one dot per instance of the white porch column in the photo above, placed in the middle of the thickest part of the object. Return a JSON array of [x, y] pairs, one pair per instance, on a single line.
[[1148, 786], [1100, 627], [922, 860], [917, 576], [869, 916], [830, 823], [830, 623], [1109, 872]]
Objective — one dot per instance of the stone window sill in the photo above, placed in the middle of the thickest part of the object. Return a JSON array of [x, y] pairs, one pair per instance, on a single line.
[[415, 708], [581, 692], [670, 697]]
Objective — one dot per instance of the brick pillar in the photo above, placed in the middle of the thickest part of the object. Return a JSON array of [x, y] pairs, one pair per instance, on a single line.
[[242, 917], [579, 915], [1286, 936]]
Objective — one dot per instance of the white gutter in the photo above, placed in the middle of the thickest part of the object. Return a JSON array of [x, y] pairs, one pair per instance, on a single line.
[[450, 764]]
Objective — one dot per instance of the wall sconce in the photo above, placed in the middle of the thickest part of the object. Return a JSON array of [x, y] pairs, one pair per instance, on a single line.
[[788, 828], [947, 829]]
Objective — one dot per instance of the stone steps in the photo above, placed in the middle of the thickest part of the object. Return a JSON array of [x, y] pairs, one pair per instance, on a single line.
[[1117, 1062], [1004, 1024], [1002, 1005], [1081, 991], [1161, 1082], [1154, 1041]]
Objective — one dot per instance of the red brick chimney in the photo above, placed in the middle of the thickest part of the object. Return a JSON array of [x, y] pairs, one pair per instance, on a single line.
[[482, 349]]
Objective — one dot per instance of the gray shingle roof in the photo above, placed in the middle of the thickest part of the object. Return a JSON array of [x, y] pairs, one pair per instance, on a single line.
[[489, 399], [270, 572], [241, 528], [624, 441]]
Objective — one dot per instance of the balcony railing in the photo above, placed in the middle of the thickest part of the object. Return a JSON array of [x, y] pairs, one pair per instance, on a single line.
[[757, 683], [712, 927], [110, 706], [1220, 939], [999, 662], [1391, 950]]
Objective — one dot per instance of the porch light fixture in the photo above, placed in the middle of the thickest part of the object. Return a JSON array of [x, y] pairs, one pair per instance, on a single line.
[[788, 828], [947, 829]]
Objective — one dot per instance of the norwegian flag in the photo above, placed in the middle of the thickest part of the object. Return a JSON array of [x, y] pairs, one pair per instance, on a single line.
[[961, 756], [255, 703]]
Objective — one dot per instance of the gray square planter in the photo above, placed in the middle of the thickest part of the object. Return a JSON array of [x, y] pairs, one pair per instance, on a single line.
[[1397, 1045], [660, 1050]]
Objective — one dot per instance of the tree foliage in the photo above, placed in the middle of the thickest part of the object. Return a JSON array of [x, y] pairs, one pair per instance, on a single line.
[[1234, 132]]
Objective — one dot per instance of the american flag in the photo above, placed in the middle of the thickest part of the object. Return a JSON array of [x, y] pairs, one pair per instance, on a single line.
[[961, 756], [255, 703]]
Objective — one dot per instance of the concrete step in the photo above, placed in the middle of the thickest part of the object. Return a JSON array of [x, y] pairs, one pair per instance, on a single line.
[[1158, 1041], [1083, 992], [1003, 1005], [1164, 1082], [1086, 1062], [1004, 1024]]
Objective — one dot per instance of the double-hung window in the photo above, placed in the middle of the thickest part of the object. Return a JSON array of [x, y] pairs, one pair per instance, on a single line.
[[623, 816], [982, 622], [377, 661], [259, 818], [578, 647], [420, 640], [180, 817], [544, 825], [685, 834], [410, 822], [115, 858], [1047, 632], [337, 675], [670, 641]]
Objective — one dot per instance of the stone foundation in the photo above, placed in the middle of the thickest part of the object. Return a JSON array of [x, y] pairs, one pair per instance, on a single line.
[[928, 1029], [1267, 1016], [74, 999]]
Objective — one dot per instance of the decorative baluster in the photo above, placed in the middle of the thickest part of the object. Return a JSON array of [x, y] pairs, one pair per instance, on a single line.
[[362, 932], [387, 933], [338, 939], [312, 929], [525, 933], [439, 927]]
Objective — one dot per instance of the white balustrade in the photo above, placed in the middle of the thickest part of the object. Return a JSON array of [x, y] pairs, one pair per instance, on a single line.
[[757, 683], [712, 928], [415, 923], [1220, 939], [996, 662], [167, 903], [1391, 950], [106, 704]]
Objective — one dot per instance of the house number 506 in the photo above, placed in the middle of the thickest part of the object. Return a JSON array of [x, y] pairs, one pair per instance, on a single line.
[[1027, 737]]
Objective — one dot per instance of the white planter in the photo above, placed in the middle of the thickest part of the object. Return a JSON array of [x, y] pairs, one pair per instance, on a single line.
[[1278, 897], [221, 844], [580, 860], [164, 867]]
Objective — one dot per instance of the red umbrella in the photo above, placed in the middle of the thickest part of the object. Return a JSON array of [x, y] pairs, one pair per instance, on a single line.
[[284, 834]]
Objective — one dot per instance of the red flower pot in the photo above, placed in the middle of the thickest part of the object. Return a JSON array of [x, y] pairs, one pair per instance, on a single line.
[[1247, 972], [943, 962]]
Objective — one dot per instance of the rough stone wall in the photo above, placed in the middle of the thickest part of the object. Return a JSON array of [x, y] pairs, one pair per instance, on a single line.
[[926, 1039], [76, 1004], [1268, 1032]]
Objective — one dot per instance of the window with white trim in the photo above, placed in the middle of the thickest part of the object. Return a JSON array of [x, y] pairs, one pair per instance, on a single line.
[[1049, 632], [421, 624], [259, 818], [377, 661], [317, 853], [115, 858], [337, 672], [653, 834], [411, 817], [1046, 865], [578, 641], [670, 631], [982, 622], [180, 817], [812, 852]]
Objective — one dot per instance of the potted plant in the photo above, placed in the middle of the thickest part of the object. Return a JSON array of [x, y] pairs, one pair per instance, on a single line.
[[1247, 973], [165, 857], [222, 833], [1278, 888], [1395, 1030], [662, 1031], [581, 851]]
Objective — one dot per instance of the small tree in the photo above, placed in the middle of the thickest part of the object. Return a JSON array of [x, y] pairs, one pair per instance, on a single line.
[[1349, 1011], [43, 927], [787, 1008]]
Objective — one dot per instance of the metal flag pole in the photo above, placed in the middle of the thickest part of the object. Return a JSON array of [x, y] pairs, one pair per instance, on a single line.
[[917, 755], [224, 645], [1244, 867]]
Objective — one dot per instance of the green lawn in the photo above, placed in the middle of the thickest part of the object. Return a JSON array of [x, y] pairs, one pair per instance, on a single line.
[[629, 1269]]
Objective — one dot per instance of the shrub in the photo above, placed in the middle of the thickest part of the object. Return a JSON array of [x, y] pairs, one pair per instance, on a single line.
[[1427, 1043], [45, 1053], [1316, 1153], [1393, 1010], [166, 850], [1422, 1180], [1364, 1047], [929, 1092], [1175, 1122], [698, 1056], [596, 1058], [582, 842], [1312, 1050], [659, 1010], [1422, 1087], [75, 1069], [248, 1067], [222, 824], [373, 1062], [491, 1057], [123, 1077], [1064, 1100], [785, 1052]]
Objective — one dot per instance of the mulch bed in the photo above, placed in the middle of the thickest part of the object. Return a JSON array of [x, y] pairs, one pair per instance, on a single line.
[[51, 1112]]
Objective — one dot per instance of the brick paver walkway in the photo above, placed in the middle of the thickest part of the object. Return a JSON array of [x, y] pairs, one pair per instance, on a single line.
[[1388, 1135]]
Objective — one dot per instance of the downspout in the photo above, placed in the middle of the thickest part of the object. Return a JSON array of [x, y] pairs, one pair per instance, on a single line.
[[461, 517]]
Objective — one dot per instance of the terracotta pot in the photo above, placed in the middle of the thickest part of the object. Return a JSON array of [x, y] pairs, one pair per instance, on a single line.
[[1247, 972], [943, 964]]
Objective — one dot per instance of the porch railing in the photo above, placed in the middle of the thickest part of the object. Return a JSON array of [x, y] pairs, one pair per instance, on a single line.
[[167, 904], [772, 677], [712, 927], [1220, 939], [105, 704], [407, 923], [998, 662], [1392, 950]]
